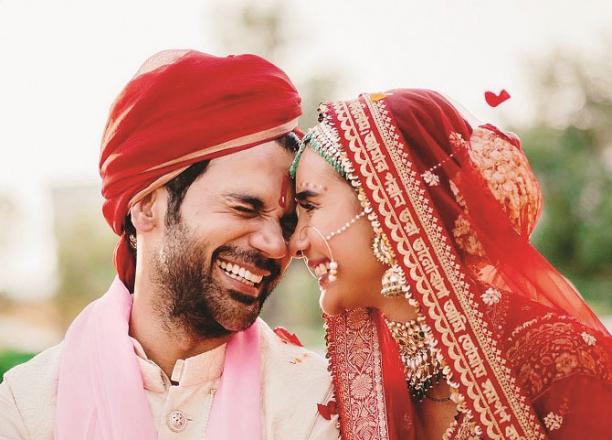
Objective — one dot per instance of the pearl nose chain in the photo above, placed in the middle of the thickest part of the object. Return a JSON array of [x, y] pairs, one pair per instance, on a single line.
[[333, 264], [345, 226]]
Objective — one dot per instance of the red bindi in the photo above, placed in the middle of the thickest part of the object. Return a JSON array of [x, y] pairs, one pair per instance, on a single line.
[[282, 200]]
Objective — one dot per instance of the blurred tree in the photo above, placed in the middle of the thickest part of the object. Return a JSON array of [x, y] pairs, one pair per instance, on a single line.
[[570, 149], [85, 265], [85, 249]]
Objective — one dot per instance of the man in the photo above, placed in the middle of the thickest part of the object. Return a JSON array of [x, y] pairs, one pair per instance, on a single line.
[[194, 164]]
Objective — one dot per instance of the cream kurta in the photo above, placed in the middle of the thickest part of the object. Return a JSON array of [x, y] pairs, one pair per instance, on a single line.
[[294, 381]]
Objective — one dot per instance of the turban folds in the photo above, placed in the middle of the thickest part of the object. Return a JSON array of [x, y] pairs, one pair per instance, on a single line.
[[183, 107]]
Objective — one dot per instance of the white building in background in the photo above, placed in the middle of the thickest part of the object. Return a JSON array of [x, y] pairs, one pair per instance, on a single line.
[[70, 201], [29, 221], [33, 221], [27, 242]]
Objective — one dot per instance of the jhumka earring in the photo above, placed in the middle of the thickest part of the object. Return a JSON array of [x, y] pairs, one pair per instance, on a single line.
[[393, 280]]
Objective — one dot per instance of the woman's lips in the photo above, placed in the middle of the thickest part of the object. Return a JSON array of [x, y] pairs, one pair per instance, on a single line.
[[320, 269]]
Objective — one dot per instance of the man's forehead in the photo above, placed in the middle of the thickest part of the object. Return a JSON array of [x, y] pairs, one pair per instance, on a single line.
[[271, 153], [261, 171], [272, 189]]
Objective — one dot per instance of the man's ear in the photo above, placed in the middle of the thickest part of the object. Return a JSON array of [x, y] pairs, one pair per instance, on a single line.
[[149, 212]]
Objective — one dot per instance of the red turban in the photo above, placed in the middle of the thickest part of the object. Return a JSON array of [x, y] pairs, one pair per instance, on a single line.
[[183, 107]]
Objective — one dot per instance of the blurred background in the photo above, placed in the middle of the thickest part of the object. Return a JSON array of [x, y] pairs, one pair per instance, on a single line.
[[63, 63]]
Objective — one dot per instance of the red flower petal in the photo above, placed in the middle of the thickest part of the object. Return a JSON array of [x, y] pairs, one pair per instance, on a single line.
[[494, 100], [287, 337], [328, 410], [324, 411], [332, 407]]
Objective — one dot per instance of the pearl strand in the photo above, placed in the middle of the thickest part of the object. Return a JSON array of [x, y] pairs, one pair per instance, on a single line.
[[344, 227]]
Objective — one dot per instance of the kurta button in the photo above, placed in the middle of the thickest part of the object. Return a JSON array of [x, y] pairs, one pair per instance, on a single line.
[[177, 421]]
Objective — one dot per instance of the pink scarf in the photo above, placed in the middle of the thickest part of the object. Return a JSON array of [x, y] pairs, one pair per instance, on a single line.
[[100, 390]]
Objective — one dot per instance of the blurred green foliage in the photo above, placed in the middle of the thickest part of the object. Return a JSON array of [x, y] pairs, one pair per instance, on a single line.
[[85, 262], [569, 147], [10, 358]]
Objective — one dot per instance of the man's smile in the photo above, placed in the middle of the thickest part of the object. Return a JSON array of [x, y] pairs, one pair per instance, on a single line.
[[240, 279]]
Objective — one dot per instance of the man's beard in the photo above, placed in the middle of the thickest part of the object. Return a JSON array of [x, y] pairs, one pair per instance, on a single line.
[[191, 299]]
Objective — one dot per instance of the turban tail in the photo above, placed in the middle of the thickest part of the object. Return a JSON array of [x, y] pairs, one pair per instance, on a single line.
[[181, 108]]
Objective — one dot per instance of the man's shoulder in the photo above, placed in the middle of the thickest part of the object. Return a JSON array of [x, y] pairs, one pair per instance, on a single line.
[[32, 387], [44, 367]]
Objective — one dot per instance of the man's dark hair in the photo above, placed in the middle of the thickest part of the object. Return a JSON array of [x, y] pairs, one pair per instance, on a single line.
[[178, 186]]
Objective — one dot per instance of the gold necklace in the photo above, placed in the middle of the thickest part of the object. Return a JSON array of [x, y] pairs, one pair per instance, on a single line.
[[423, 363]]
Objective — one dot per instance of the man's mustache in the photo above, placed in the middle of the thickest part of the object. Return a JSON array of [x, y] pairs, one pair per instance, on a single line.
[[251, 257]]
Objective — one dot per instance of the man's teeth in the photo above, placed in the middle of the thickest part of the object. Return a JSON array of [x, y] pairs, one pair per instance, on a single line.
[[321, 269], [240, 273]]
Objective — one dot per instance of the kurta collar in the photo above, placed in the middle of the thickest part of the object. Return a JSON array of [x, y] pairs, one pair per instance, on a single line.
[[195, 370]]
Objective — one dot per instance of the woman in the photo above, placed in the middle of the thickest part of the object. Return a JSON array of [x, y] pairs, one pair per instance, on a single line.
[[442, 320]]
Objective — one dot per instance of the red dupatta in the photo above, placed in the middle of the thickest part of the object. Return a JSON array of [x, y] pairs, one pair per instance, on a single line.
[[391, 141]]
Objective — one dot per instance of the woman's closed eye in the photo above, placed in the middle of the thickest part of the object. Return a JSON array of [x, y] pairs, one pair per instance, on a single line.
[[306, 205]]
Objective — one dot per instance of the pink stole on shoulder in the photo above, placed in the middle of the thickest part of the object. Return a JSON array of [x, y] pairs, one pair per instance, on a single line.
[[100, 393]]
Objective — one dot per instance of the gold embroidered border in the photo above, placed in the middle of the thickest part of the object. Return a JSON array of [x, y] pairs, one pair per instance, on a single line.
[[390, 195], [356, 367]]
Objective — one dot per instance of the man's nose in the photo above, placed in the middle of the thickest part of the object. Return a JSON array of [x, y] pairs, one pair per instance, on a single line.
[[269, 240]]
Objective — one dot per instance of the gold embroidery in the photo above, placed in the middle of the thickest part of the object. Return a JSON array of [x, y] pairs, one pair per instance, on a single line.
[[456, 319], [549, 348], [462, 429], [356, 367], [491, 296], [490, 407], [394, 191], [409, 226], [553, 421], [430, 178], [588, 338], [507, 173]]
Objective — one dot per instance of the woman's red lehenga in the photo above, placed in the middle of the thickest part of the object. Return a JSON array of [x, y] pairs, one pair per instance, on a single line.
[[526, 354]]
